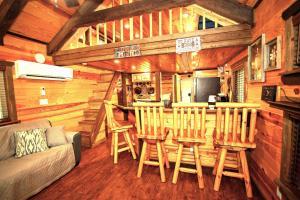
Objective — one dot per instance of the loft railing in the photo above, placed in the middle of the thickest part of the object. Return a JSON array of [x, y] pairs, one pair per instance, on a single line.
[[164, 22]]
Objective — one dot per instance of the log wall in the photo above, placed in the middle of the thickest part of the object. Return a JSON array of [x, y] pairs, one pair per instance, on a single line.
[[67, 99], [265, 159]]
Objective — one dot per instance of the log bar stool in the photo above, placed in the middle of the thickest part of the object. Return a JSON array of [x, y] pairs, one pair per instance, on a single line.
[[116, 128], [232, 136], [150, 128], [191, 133]]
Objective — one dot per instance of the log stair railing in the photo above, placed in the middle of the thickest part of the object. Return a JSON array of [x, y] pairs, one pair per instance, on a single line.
[[92, 127]]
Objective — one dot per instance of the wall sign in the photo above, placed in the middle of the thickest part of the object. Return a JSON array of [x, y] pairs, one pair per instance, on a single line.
[[127, 51], [188, 44]]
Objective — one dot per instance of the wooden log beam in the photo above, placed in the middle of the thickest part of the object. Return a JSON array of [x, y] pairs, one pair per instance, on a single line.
[[9, 11], [129, 10], [236, 35], [231, 9], [71, 26]]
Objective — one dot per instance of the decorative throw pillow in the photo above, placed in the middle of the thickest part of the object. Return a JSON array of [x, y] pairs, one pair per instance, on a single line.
[[30, 141], [56, 136]]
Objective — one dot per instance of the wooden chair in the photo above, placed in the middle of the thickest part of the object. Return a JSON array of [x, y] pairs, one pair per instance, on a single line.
[[189, 122], [231, 135], [118, 127], [150, 128]]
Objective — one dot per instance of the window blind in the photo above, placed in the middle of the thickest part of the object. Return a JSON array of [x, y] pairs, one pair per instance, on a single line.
[[239, 85], [3, 98]]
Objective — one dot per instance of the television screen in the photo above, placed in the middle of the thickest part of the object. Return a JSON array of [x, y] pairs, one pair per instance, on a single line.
[[205, 87]]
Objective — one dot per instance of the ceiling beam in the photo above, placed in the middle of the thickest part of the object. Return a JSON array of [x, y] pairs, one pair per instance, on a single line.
[[230, 9], [128, 10], [9, 11], [71, 25]]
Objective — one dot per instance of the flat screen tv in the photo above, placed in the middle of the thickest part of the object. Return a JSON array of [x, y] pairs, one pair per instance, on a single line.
[[205, 87]]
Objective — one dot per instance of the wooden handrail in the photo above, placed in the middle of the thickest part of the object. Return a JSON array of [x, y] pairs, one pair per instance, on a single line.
[[102, 114]]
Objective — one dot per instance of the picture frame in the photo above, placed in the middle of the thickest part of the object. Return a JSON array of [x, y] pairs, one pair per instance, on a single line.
[[273, 54], [256, 58]]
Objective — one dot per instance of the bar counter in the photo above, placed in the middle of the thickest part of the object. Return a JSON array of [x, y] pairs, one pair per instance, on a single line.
[[208, 153]]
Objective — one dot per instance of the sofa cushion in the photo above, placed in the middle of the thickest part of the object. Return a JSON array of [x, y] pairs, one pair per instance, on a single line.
[[7, 141], [23, 177], [56, 136], [30, 141]]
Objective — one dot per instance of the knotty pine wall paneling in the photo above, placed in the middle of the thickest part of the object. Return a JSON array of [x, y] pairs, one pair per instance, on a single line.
[[265, 159], [66, 99]]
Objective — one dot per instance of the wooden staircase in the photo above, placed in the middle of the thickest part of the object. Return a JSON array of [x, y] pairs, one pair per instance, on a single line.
[[92, 127]]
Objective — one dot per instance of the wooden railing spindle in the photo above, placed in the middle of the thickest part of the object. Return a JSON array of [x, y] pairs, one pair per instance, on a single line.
[[105, 33], [150, 25], [227, 118], [137, 118], [189, 122], [196, 122], [181, 121], [235, 124], [154, 121], [252, 125], [170, 21], [203, 122], [142, 120], [219, 120], [149, 120], [159, 23], [175, 122], [244, 124], [141, 27]]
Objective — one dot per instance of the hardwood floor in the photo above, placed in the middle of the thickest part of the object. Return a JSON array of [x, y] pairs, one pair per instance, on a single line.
[[97, 177]]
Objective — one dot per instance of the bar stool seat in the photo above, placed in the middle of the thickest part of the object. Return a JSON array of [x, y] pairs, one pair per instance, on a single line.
[[234, 137], [118, 127], [150, 128], [189, 131]]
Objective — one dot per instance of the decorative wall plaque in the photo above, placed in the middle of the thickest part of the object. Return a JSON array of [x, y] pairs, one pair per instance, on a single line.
[[128, 51], [191, 44]]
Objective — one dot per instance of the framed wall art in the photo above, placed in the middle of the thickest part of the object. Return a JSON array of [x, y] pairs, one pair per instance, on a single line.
[[256, 59], [273, 54]]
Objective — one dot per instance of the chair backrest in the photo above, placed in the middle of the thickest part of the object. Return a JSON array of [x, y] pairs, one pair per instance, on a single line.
[[109, 114], [189, 120], [149, 118], [231, 124]]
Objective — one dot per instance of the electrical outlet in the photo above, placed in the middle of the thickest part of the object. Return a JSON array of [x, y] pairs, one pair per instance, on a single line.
[[43, 91], [43, 102], [279, 195]]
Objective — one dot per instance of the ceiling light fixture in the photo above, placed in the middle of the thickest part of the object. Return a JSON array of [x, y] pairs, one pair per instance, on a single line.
[[127, 26], [137, 35], [117, 61], [133, 67], [185, 15]]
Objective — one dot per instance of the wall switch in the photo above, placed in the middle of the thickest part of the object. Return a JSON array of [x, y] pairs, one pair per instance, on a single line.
[[43, 91], [279, 195], [43, 102]]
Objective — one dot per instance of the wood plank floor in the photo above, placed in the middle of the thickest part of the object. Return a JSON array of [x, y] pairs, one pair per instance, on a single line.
[[97, 177]]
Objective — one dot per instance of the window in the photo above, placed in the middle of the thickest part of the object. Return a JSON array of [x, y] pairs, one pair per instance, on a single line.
[[239, 85], [7, 97]]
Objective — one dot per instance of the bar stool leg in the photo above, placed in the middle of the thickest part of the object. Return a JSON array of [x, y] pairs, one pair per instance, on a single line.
[[198, 167], [130, 144], [220, 169], [112, 144], [177, 165], [161, 162], [116, 144], [217, 162], [246, 174], [166, 159], [142, 159]]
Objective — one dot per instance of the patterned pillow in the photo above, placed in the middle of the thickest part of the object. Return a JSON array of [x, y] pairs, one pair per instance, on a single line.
[[30, 141]]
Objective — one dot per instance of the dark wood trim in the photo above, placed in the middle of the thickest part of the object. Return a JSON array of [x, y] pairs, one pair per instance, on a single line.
[[70, 26], [291, 11], [10, 94], [9, 123], [6, 64], [291, 77], [26, 38], [9, 11]]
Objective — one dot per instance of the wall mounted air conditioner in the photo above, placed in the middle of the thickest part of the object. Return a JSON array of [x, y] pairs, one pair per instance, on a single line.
[[32, 70]]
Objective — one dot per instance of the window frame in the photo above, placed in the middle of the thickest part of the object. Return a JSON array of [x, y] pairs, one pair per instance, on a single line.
[[239, 65], [6, 67]]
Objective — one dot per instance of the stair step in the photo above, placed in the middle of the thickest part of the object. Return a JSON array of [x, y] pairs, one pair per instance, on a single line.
[[100, 90], [91, 114], [103, 85], [99, 94], [95, 104], [96, 99], [106, 77], [86, 125]]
